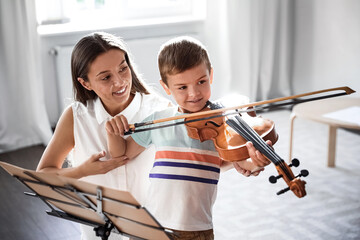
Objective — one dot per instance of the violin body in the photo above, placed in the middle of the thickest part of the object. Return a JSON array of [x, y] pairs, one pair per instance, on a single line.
[[228, 143]]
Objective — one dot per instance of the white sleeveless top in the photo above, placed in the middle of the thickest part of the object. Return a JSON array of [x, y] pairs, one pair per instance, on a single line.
[[90, 138]]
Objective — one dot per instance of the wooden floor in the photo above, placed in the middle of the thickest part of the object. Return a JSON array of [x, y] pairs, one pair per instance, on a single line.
[[24, 217]]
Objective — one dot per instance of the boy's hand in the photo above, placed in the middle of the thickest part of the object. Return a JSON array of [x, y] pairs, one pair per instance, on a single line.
[[246, 173], [258, 158], [117, 125]]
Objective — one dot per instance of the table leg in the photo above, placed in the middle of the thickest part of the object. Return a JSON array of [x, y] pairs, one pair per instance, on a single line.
[[332, 146], [292, 118]]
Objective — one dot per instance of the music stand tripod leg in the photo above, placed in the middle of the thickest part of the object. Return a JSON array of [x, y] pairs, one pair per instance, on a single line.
[[104, 231]]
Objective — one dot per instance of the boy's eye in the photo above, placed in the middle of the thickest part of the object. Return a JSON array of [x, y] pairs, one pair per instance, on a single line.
[[182, 88], [202, 82]]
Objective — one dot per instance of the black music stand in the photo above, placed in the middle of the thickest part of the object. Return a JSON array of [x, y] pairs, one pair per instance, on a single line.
[[107, 210]]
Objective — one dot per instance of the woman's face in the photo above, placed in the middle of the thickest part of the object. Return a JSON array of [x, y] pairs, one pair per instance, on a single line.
[[110, 78]]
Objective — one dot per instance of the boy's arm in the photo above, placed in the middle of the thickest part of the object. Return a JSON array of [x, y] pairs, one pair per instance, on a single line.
[[252, 166], [118, 146], [244, 167]]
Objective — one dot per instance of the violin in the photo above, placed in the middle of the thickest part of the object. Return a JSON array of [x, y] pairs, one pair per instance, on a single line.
[[230, 135]]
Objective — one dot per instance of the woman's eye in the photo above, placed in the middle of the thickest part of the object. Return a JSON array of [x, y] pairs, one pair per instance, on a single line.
[[123, 69], [105, 78]]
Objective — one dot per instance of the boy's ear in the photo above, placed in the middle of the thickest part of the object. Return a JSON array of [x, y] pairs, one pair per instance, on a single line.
[[211, 75], [84, 83], [166, 88]]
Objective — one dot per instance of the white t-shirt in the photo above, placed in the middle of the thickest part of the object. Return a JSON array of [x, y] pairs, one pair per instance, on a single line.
[[90, 138]]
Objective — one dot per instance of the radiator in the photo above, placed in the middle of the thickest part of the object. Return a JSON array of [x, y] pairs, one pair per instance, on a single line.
[[63, 75]]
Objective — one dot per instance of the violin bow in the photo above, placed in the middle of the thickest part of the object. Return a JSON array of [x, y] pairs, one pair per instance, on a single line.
[[343, 91]]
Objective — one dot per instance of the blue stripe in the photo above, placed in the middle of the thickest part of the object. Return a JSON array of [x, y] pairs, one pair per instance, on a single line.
[[187, 165], [182, 177]]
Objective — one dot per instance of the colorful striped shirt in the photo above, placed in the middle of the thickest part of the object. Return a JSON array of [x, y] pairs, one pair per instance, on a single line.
[[183, 178]]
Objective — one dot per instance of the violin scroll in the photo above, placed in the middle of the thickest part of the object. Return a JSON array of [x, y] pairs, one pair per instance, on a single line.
[[295, 184]]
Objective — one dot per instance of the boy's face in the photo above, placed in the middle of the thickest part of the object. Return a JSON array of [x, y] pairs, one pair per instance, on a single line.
[[191, 88]]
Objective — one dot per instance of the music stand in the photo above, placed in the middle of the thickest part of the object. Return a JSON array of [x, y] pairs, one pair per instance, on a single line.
[[107, 210]]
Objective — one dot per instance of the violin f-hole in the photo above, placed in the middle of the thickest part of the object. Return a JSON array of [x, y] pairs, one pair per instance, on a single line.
[[213, 123]]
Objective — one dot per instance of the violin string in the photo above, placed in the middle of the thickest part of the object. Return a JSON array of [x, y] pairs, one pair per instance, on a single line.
[[261, 142], [258, 139], [251, 134], [244, 125], [245, 129], [239, 127]]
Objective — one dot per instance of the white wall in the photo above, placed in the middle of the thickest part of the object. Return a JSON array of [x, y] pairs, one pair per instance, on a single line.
[[327, 45]]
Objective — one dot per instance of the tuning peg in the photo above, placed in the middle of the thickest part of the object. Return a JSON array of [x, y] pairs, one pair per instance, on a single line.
[[274, 179], [303, 173], [283, 191], [295, 162]]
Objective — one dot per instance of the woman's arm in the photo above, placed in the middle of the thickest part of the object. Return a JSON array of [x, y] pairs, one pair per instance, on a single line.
[[61, 144]]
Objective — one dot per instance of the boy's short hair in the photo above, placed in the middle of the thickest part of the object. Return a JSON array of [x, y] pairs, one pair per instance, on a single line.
[[180, 54]]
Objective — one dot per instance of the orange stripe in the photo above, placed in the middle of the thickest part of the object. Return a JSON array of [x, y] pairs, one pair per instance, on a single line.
[[188, 156]]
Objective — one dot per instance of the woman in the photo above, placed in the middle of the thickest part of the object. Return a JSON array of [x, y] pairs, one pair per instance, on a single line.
[[105, 84]]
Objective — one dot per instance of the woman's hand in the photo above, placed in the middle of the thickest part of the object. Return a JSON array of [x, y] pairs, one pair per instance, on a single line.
[[94, 165], [117, 125]]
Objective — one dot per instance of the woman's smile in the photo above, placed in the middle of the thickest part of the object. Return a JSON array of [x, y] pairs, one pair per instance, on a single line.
[[120, 92]]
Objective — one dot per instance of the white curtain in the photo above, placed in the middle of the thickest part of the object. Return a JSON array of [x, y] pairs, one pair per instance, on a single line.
[[23, 120], [250, 44]]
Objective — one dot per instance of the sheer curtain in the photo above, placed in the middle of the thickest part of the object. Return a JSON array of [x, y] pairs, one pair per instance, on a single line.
[[250, 45], [23, 119]]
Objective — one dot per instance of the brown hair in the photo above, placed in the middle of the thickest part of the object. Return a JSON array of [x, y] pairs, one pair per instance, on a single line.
[[86, 51], [180, 54]]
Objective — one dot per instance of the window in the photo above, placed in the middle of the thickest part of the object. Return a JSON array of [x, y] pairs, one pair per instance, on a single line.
[[100, 11]]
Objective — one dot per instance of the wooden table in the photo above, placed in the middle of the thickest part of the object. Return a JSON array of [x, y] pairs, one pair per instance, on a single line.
[[315, 111]]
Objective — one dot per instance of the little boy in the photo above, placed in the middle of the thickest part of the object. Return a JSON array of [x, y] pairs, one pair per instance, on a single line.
[[185, 173]]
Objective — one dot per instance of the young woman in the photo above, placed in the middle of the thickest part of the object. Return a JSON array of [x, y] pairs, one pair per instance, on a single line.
[[105, 85]]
